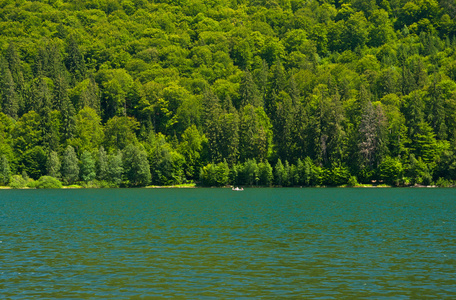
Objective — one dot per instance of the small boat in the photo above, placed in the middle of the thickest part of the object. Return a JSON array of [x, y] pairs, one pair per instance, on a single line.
[[237, 189]]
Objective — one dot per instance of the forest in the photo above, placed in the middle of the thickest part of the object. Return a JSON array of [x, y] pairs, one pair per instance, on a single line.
[[128, 93]]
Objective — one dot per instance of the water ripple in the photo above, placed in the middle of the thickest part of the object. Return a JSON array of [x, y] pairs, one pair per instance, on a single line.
[[213, 243]]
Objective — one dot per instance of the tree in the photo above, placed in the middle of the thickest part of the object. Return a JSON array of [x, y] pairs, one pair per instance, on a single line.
[[27, 138], [418, 171], [102, 165], [215, 174], [53, 165], [6, 140], [86, 93], [41, 98], [250, 172], [391, 170], [115, 168], [119, 132], [52, 128], [137, 169], [5, 171], [88, 131], [255, 134], [15, 66], [87, 167], [191, 147], [280, 175], [33, 162], [284, 125], [221, 129], [266, 175], [437, 113], [326, 130], [372, 135], [355, 32], [64, 105], [70, 167], [423, 144], [167, 164], [75, 60], [337, 175], [248, 91], [117, 91], [9, 96], [381, 30]]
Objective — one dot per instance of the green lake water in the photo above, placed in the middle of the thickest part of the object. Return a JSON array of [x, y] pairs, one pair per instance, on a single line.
[[217, 244]]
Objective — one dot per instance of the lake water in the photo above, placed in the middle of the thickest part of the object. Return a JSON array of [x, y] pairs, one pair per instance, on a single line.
[[217, 243]]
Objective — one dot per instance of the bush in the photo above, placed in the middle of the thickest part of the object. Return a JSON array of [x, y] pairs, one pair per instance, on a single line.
[[18, 182], [215, 174], [391, 170], [48, 182], [352, 181], [336, 176], [97, 184], [442, 182]]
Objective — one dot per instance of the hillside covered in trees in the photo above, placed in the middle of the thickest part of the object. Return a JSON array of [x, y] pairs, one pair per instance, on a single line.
[[259, 92]]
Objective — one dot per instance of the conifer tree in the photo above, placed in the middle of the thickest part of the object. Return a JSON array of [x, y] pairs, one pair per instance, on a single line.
[[102, 164], [87, 169], [279, 173], [75, 62], [212, 125], [70, 165], [115, 168], [17, 72], [9, 97], [53, 165], [266, 175], [5, 170], [248, 91]]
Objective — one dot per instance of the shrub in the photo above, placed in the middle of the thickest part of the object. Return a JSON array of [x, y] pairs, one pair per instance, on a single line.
[[442, 182], [352, 181], [18, 182], [48, 182], [391, 170]]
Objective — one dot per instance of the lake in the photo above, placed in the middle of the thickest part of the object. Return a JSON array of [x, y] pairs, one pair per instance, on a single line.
[[380, 243]]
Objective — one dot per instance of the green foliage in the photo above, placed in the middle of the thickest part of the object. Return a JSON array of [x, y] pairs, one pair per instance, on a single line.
[[88, 133], [53, 165], [18, 182], [70, 167], [330, 89], [266, 175], [136, 166], [215, 174], [418, 171], [48, 182], [87, 167], [166, 163], [191, 147], [115, 168], [119, 132], [5, 170], [337, 175], [33, 162], [352, 181], [280, 174], [102, 164], [391, 170]]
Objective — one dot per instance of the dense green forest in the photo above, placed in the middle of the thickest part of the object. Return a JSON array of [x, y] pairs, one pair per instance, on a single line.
[[253, 92]]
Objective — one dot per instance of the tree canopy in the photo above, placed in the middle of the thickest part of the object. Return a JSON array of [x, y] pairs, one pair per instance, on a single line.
[[246, 92]]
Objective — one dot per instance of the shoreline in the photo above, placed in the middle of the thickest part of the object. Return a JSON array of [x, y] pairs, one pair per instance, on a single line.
[[193, 186]]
